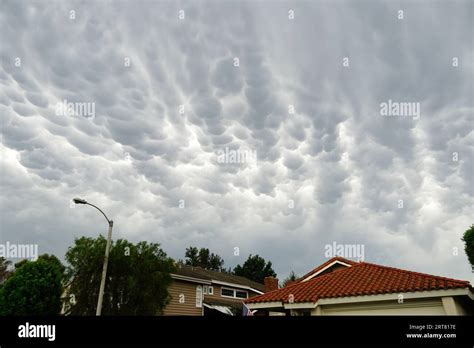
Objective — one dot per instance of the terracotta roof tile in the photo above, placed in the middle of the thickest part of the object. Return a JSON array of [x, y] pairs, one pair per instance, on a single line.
[[360, 279]]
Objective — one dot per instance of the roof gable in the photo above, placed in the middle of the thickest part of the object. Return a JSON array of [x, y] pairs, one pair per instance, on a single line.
[[332, 264], [359, 280]]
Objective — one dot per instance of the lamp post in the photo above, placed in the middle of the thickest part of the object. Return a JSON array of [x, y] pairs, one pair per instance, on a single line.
[[106, 258]]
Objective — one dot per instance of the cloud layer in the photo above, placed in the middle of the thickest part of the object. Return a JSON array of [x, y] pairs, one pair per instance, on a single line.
[[169, 93]]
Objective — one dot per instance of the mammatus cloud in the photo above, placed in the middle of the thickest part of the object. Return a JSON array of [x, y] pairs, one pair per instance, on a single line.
[[174, 84]]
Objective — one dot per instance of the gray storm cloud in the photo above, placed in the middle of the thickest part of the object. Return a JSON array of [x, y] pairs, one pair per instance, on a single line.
[[170, 93]]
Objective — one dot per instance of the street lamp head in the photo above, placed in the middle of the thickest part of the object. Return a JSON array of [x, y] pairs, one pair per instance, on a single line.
[[79, 201]]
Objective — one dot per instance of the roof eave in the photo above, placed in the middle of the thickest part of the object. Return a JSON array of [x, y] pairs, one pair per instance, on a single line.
[[190, 279], [393, 296]]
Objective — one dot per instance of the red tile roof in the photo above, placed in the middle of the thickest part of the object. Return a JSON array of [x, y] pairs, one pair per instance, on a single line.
[[360, 279]]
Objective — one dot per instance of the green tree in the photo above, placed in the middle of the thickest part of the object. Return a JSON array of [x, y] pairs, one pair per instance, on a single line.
[[20, 263], [291, 278], [255, 268], [137, 283], [203, 258], [4, 269], [191, 256], [468, 239], [34, 288]]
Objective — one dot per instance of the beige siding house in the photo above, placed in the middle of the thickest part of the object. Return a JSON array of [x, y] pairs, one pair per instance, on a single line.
[[186, 291], [196, 291]]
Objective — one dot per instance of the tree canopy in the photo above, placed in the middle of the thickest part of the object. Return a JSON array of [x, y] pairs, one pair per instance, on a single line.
[[203, 258], [290, 279], [4, 268], [34, 288], [137, 283], [468, 239], [255, 268]]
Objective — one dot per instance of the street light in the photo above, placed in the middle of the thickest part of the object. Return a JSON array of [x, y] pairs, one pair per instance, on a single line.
[[79, 201], [106, 258]]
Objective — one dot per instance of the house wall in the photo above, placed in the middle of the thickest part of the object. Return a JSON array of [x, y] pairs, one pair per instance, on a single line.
[[217, 293], [452, 306], [188, 289], [408, 307]]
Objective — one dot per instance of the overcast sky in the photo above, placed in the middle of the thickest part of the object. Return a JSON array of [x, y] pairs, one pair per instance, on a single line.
[[169, 94]]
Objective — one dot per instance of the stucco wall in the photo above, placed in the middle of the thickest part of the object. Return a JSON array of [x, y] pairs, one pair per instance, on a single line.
[[411, 307]]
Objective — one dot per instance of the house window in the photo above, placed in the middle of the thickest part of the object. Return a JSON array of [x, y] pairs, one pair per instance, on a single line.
[[227, 292], [207, 290], [241, 294], [233, 293], [199, 296]]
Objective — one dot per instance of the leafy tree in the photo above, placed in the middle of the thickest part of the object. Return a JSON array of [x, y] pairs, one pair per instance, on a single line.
[[255, 268], [191, 256], [291, 278], [203, 258], [468, 240], [34, 288], [138, 277], [20, 263], [227, 270], [4, 269], [53, 260]]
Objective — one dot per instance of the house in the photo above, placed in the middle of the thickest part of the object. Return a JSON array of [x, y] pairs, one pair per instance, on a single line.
[[344, 287], [197, 291]]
